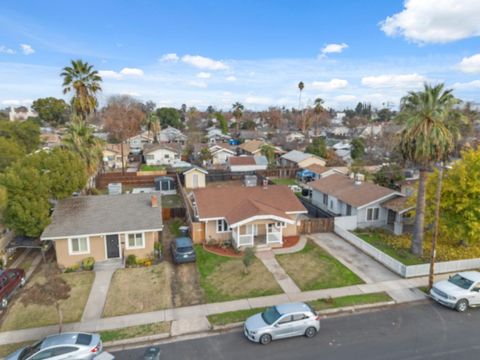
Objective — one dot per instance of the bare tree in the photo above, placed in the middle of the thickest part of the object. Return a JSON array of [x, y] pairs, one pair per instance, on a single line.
[[122, 118]]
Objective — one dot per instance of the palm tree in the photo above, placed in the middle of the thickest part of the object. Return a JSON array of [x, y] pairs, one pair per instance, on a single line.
[[84, 81], [80, 139], [428, 137], [268, 151], [318, 110], [238, 113]]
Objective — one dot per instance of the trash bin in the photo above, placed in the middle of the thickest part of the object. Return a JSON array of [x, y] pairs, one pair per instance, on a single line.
[[152, 353]]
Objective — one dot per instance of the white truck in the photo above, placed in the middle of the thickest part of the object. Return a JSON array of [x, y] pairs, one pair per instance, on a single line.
[[458, 292]]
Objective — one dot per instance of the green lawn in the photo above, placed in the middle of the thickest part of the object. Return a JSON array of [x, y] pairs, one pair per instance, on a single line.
[[313, 269], [172, 201], [135, 331], [223, 279], [145, 167], [9, 348], [318, 305], [283, 181], [379, 240]]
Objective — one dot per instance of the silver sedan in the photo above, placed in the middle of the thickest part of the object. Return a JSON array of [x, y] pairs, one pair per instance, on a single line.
[[282, 321]]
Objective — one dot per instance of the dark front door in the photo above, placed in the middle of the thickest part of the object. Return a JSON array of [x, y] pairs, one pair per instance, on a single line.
[[391, 217], [113, 249]]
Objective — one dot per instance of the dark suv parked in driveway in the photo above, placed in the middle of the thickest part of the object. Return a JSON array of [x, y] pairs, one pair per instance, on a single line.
[[10, 280], [182, 250]]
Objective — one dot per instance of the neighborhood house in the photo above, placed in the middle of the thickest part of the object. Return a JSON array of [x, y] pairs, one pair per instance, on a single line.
[[160, 154]]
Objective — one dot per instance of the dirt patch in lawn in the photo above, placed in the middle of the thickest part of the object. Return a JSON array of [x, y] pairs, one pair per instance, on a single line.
[[19, 316], [313, 269], [185, 279], [136, 290]]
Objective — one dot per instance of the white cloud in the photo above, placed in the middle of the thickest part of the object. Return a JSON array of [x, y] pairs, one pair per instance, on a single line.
[[334, 48], [472, 85], [394, 81], [6, 50], [435, 21], [131, 72], [27, 49], [110, 74], [345, 98], [258, 100], [204, 75], [470, 64], [199, 84], [171, 57], [330, 85], [202, 62], [16, 102], [231, 78]]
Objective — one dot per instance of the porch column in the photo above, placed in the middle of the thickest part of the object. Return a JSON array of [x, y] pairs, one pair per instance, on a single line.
[[397, 224]]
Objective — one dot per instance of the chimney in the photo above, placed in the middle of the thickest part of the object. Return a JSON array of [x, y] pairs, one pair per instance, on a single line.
[[265, 183], [154, 201], [358, 180]]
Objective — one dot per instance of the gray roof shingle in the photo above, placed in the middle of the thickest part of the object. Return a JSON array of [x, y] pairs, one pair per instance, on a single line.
[[103, 214]]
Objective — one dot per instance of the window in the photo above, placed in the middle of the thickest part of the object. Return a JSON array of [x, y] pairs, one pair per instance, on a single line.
[[149, 157], [64, 350], [79, 245], [325, 199], [222, 226], [280, 224], [349, 210], [176, 156], [373, 214], [331, 204], [166, 156], [285, 320], [297, 317], [135, 241]]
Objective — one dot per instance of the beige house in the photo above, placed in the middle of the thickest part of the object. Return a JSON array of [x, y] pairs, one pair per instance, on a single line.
[[112, 155], [248, 216], [195, 178], [105, 227], [300, 159]]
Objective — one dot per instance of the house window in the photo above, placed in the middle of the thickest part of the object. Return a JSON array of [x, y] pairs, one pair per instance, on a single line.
[[166, 156], [149, 157], [349, 210], [222, 226], [331, 204], [176, 156], [79, 245], [325, 199], [135, 241], [280, 224], [373, 214]]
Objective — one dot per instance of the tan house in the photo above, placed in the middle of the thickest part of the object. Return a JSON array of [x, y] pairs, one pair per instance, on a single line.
[[254, 147], [195, 178], [112, 155], [105, 227], [300, 159], [248, 216]]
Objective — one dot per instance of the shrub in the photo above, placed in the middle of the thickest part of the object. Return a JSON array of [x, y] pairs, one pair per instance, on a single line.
[[248, 257], [131, 260], [144, 262], [88, 263], [73, 268]]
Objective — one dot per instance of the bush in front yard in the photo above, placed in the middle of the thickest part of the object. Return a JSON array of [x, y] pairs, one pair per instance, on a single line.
[[131, 260], [247, 259], [88, 263]]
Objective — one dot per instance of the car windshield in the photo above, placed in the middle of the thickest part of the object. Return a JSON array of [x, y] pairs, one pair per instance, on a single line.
[[185, 249], [460, 281], [30, 350], [270, 315]]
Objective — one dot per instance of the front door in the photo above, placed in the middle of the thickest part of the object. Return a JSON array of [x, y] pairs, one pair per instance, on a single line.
[[195, 181], [113, 248]]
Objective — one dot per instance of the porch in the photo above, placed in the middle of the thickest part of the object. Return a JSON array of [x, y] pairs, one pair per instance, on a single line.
[[257, 234]]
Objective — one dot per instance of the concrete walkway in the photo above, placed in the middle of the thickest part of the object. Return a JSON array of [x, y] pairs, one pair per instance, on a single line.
[[201, 311], [286, 283], [295, 248], [98, 295]]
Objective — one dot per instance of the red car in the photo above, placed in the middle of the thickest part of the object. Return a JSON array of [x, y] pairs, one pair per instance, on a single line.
[[10, 280]]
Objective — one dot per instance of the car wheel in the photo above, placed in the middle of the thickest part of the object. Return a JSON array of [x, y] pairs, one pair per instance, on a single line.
[[462, 305], [4, 303], [22, 282], [310, 332], [265, 339]]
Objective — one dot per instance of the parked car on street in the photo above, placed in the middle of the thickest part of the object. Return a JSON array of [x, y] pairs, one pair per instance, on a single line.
[[182, 250], [10, 280], [282, 321], [79, 346], [458, 292]]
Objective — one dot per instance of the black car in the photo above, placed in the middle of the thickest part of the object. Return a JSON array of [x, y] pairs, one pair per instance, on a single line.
[[182, 250]]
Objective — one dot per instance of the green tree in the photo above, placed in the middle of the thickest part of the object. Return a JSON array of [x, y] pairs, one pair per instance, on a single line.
[[268, 151], [237, 110], [84, 81], [358, 148], [205, 154], [52, 111], [249, 125], [317, 147], [169, 117], [427, 117], [25, 133], [11, 152], [222, 122], [389, 176]]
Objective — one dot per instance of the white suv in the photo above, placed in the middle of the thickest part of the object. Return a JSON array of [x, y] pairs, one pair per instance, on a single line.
[[459, 292]]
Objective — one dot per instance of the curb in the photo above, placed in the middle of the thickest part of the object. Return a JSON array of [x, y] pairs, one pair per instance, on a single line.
[[135, 340]]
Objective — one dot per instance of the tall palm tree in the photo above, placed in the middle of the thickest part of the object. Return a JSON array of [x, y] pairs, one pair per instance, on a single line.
[[301, 86], [428, 136], [84, 81], [318, 110], [238, 113], [80, 139]]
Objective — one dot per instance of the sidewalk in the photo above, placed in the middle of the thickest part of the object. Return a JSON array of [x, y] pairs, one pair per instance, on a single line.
[[200, 311], [286, 283], [98, 295]]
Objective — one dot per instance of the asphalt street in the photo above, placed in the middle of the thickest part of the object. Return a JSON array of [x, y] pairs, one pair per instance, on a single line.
[[407, 332]]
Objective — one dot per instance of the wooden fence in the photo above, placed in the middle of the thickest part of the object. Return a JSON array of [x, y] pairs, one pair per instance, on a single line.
[[168, 213], [319, 225], [140, 179]]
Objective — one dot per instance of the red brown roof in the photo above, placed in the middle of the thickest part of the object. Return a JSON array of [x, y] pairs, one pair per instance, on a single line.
[[345, 189], [237, 203], [241, 160]]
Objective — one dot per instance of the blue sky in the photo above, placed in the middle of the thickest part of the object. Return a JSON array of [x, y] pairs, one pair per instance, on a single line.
[[255, 52]]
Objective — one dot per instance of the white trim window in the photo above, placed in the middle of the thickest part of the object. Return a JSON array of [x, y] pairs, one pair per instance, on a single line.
[[280, 224], [373, 214], [222, 226], [79, 245], [135, 241]]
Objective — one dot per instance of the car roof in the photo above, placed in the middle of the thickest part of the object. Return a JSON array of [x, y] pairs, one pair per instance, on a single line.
[[65, 339], [471, 275], [183, 241], [293, 307]]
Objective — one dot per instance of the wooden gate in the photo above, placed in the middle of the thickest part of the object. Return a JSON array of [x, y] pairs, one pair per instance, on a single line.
[[317, 225]]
